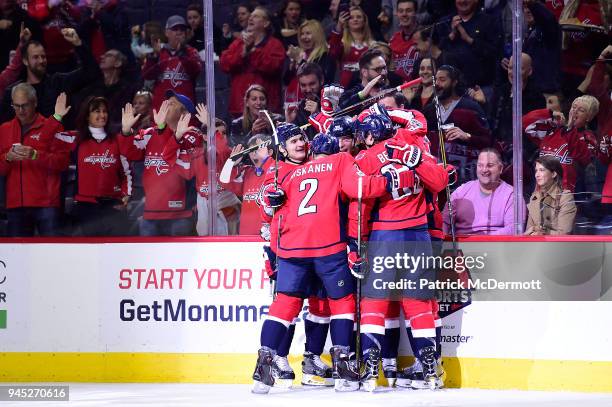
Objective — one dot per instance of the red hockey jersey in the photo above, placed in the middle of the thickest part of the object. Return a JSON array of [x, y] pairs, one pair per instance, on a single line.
[[173, 70], [314, 216], [404, 208], [404, 54], [349, 63], [164, 185], [247, 183]]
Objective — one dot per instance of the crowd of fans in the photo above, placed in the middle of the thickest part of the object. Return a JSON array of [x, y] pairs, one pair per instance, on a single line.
[[90, 107]]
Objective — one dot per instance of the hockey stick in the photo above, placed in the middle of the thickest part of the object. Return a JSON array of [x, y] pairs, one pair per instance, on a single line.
[[249, 149], [276, 145], [226, 171], [358, 294], [370, 101]]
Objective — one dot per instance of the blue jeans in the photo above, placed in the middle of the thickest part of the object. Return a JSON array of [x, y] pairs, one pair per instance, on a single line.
[[23, 222], [167, 227]]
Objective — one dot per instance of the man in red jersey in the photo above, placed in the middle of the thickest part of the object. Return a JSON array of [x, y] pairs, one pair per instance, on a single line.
[[397, 225], [313, 238], [402, 45], [166, 212]]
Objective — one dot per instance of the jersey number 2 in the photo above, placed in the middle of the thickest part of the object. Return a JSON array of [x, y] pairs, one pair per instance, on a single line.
[[312, 184]]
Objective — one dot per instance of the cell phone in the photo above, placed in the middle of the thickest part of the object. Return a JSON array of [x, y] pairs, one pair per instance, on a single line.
[[344, 6]]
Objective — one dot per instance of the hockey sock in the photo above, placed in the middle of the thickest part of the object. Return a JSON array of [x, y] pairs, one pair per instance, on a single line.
[[438, 341], [316, 334], [283, 348], [272, 333], [341, 330], [390, 343]]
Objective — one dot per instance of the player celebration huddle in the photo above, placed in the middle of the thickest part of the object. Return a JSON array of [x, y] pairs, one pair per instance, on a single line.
[[366, 179]]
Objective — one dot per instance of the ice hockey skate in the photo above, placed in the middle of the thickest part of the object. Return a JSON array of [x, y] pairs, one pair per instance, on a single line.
[[346, 377], [282, 372], [432, 369], [263, 376], [370, 375], [389, 366], [315, 372]]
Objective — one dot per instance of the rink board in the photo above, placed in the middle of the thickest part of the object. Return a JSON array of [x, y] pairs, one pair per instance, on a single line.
[[191, 311]]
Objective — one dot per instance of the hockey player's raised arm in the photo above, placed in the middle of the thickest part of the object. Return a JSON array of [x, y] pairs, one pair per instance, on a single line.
[[433, 176]]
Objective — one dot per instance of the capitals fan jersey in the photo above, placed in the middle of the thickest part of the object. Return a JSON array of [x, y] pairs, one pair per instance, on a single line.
[[405, 55], [247, 183], [314, 216]]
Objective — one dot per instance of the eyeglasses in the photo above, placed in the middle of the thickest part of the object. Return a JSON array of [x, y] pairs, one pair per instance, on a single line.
[[379, 69], [21, 107]]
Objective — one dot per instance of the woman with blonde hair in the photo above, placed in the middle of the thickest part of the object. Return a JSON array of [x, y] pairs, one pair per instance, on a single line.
[[312, 48], [551, 208], [252, 120], [350, 39]]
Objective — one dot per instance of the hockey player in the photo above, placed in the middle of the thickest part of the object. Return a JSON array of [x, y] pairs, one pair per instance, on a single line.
[[398, 224], [293, 150], [342, 128], [316, 195]]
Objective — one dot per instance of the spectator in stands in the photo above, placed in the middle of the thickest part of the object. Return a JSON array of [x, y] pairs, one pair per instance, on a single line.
[[195, 19], [349, 40], [11, 19], [551, 208], [393, 78], [424, 92], [605, 156], [49, 86], [484, 206], [174, 66], [103, 172], [543, 44], [253, 120], [502, 103], [240, 23], [114, 85], [255, 58], [288, 21], [11, 73], [427, 42], [474, 38], [312, 48], [104, 26], [246, 182], [465, 127], [32, 165], [405, 52], [373, 74], [598, 83], [144, 38], [166, 211], [310, 81]]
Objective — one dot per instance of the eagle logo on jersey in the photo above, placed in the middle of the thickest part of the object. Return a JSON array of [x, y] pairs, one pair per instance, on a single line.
[[105, 160], [161, 166]]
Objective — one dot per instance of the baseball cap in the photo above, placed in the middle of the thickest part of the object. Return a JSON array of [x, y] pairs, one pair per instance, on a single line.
[[174, 21], [185, 101]]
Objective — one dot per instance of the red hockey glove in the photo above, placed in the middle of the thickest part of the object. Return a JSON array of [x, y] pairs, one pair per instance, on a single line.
[[399, 178], [453, 177], [320, 121], [330, 96], [405, 154], [270, 262], [356, 265]]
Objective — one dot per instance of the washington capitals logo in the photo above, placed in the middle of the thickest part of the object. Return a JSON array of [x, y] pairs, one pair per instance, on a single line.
[[176, 76], [105, 160], [161, 166]]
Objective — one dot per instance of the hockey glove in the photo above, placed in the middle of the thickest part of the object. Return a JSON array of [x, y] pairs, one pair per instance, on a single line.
[[270, 262], [264, 232], [273, 198], [356, 265], [399, 178], [320, 121], [453, 177], [330, 96], [405, 154]]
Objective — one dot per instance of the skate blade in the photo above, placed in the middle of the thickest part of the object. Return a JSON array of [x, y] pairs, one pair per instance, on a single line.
[[260, 388], [283, 383], [313, 380], [342, 385], [369, 385], [405, 383]]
